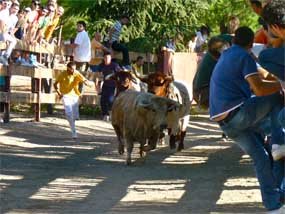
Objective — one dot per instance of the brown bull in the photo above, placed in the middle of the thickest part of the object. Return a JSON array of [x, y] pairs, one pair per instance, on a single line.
[[160, 85], [139, 117]]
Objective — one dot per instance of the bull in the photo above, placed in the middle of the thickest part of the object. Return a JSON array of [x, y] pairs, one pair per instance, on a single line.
[[164, 86], [126, 80], [139, 117]]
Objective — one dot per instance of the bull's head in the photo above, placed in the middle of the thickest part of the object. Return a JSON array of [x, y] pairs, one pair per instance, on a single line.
[[156, 109], [157, 83], [123, 80]]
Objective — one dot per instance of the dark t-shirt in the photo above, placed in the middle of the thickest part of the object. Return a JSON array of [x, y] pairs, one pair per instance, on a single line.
[[107, 70], [204, 72]]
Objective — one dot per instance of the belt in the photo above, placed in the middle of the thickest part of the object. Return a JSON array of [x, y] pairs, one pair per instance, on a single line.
[[231, 114]]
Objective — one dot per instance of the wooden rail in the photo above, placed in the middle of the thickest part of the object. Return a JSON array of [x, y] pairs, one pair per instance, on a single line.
[[36, 96]]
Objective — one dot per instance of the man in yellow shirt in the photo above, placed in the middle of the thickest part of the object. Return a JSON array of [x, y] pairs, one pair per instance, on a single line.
[[68, 90], [138, 65]]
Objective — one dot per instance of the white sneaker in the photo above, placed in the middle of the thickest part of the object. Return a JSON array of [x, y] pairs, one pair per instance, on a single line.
[[106, 118], [278, 151], [281, 210]]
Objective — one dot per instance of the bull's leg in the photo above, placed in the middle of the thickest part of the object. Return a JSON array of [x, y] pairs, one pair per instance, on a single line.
[[181, 142], [142, 152], [172, 139], [183, 127], [130, 146], [121, 148], [161, 140]]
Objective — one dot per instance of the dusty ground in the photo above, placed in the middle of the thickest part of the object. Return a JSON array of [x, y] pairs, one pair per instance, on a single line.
[[44, 171]]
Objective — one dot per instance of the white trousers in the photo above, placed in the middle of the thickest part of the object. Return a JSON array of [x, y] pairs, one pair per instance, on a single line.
[[71, 108], [12, 43]]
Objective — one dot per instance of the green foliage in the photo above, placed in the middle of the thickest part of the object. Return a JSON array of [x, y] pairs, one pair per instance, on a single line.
[[153, 22], [220, 11]]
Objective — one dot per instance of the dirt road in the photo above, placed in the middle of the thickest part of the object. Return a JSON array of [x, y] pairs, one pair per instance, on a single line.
[[44, 171]]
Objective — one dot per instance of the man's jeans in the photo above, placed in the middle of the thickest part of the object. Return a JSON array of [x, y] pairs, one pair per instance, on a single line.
[[107, 98], [281, 117], [119, 47], [245, 129]]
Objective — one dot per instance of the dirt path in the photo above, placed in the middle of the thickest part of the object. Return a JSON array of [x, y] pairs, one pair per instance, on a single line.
[[44, 171]]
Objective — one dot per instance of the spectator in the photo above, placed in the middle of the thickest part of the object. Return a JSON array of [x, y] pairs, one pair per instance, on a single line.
[[261, 34], [22, 23], [202, 36], [53, 24], [138, 65], [68, 90], [7, 26], [114, 40], [228, 33], [97, 52], [201, 82], [192, 43], [108, 89], [82, 49], [241, 115], [272, 59], [32, 21]]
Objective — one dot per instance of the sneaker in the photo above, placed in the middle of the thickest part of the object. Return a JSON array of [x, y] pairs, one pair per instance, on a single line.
[[106, 118], [281, 210], [278, 151], [74, 135]]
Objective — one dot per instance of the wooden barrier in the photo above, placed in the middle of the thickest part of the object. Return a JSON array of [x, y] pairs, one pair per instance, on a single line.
[[36, 96]]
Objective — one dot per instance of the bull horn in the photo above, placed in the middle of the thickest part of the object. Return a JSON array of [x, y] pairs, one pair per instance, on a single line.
[[110, 76], [144, 104], [133, 78]]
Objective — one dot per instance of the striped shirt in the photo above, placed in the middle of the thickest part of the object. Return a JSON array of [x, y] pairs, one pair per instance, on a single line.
[[117, 31]]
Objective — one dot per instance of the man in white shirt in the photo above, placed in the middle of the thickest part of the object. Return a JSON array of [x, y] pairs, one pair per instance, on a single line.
[[82, 49], [7, 26]]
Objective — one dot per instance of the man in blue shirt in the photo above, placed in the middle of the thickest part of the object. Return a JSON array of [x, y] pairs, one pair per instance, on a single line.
[[241, 115], [108, 89]]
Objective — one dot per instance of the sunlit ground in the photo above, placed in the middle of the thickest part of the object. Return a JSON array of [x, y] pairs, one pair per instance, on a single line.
[[76, 188]]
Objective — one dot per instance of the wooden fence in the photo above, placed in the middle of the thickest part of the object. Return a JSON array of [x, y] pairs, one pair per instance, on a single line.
[[184, 68]]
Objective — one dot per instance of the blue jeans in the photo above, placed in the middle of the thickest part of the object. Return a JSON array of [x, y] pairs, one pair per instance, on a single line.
[[244, 129], [107, 98], [281, 117], [119, 47], [272, 59]]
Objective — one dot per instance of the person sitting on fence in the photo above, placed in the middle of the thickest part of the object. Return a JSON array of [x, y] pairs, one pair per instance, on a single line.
[[114, 40], [137, 66], [7, 29], [68, 90], [22, 23], [53, 24], [32, 18]]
